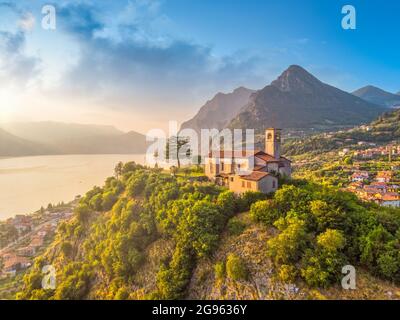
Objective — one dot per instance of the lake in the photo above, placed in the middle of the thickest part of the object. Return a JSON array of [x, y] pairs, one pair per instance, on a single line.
[[27, 183]]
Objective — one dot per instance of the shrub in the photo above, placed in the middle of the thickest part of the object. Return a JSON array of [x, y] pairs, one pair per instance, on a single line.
[[264, 211], [220, 270], [287, 273], [236, 268], [236, 227]]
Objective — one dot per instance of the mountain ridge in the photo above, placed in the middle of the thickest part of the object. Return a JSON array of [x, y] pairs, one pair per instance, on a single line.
[[219, 110], [378, 96], [50, 138], [297, 99]]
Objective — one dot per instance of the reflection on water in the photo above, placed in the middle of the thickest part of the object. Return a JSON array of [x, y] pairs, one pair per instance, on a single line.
[[27, 183]]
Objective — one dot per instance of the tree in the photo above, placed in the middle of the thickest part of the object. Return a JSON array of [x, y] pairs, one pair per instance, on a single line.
[[331, 240], [288, 246], [119, 169], [322, 266], [174, 149], [265, 211]]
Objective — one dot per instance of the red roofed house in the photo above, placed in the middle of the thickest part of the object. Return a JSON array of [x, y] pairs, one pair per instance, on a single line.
[[384, 176], [390, 199], [250, 170]]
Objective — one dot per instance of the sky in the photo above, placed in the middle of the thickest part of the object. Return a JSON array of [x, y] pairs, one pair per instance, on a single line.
[[137, 64]]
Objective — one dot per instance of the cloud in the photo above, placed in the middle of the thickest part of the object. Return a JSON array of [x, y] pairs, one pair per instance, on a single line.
[[135, 65], [16, 68], [27, 22]]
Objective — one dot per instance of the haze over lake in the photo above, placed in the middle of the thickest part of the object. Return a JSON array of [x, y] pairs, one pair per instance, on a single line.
[[27, 183]]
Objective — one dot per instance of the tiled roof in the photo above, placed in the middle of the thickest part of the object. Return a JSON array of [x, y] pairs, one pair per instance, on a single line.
[[390, 196], [258, 168], [255, 176], [232, 153], [229, 154]]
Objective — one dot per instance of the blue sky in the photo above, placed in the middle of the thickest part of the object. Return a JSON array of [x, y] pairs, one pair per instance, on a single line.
[[137, 64]]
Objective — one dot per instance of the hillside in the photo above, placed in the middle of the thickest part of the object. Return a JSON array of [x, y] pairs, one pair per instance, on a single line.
[[13, 146], [378, 96], [385, 129], [65, 138], [299, 100], [219, 111], [149, 235]]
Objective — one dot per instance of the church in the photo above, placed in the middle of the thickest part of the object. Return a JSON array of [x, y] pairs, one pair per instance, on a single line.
[[250, 170]]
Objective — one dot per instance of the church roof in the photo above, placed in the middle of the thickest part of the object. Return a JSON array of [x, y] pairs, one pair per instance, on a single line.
[[255, 176], [229, 154]]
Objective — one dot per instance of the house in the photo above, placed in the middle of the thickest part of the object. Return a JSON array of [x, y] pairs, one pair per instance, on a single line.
[[36, 242], [390, 199], [15, 263], [384, 176], [359, 176], [26, 251], [380, 186], [250, 170]]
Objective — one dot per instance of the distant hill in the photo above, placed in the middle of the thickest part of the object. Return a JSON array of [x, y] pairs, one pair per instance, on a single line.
[[54, 133], [220, 110], [13, 146], [63, 138], [297, 99], [378, 96], [385, 129]]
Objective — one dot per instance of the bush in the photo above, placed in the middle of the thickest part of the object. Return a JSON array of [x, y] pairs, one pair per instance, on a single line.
[[236, 227], [220, 270], [287, 273], [247, 199], [236, 268], [264, 211]]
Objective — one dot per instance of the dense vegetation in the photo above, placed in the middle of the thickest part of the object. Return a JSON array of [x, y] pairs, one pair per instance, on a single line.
[[385, 129], [102, 250], [97, 254], [322, 229]]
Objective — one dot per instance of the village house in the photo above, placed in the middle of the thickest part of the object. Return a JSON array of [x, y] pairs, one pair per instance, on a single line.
[[384, 176], [390, 199], [14, 264], [250, 170], [359, 176]]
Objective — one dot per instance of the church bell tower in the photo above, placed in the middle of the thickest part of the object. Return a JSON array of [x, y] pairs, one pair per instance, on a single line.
[[273, 142]]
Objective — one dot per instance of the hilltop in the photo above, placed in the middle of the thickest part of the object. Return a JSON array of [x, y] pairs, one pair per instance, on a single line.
[[149, 235]]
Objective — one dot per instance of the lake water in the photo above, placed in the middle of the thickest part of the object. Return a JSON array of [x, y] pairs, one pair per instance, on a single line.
[[27, 183]]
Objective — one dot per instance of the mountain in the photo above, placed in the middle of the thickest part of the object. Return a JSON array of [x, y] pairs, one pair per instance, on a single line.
[[54, 133], [63, 138], [125, 143], [13, 146], [378, 96], [297, 99], [220, 110]]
